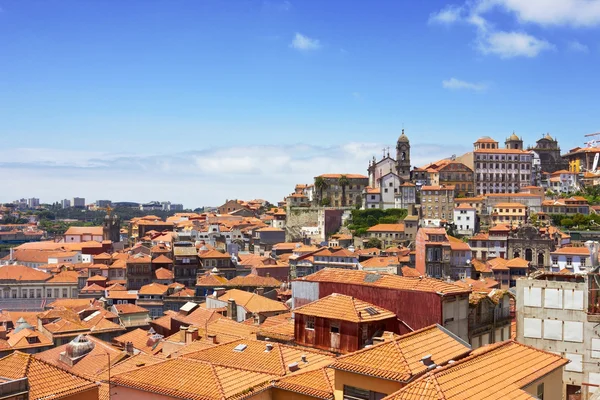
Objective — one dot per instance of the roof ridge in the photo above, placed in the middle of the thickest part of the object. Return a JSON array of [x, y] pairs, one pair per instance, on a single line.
[[396, 344], [280, 350], [217, 380]]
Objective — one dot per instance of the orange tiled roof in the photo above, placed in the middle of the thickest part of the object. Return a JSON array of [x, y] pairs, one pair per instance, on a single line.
[[22, 273], [128, 308], [257, 357], [194, 380], [253, 302], [153, 289], [279, 327], [130, 364], [387, 228], [253, 280], [517, 263], [497, 264], [458, 245], [400, 359], [363, 278], [569, 250], [213, 254], [316, 383], [88, 365], [141, 341], [162, 259], [45, 380], [493, 372], [199, 317], [211, 280], [380, 262], [163, 274], [345, 308], [409, 271]]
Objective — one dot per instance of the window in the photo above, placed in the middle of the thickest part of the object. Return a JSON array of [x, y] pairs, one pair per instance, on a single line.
[[583, 261], [554, 260], [65, 293], [569, 261], [334, 327], [310, 323], [49, 293]]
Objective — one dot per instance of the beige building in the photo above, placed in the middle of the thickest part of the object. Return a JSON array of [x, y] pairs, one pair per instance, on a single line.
[[512, 214], [437, 204], [340, 190], [389, 234]]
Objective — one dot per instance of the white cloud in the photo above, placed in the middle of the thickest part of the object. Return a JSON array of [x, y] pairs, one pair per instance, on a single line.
[[304, 43], [194, 178], [578, 47], [447, 15], [457, 84], [577, 13], [513, 44]]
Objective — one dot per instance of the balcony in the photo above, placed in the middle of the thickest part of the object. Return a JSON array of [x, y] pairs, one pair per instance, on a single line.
[[490, 318]]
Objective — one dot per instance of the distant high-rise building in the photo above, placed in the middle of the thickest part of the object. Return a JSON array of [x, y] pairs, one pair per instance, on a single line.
[[33, 202], [175, 207], [78, 202], [66, 203], [103, 203]]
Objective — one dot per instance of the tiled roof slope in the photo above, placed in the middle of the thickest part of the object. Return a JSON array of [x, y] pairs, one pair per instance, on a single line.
[[345, 308], [194, 380], [400, 358], [316, 383], [253, 302], [355, 277], [139, 338], [45, 380], [255, 357], [254, 280], [494, 372]]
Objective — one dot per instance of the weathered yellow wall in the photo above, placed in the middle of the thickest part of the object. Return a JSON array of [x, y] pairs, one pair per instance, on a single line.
[[553, 386], [279, 394], [265, 395], [363, 382]]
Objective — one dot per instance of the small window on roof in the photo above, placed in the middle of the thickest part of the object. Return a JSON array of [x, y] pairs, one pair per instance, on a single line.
[[240, 347]]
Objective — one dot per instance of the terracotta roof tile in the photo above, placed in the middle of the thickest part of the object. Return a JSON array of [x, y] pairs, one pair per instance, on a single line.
[[253, 280], [494, 372], [22, 273], [162, 259], [400, 359], [255, 357], [345, 308], [153, 289], [45, 380], [318, 383], [194, 380], [253, 302], [354, 277], [129, 308], [141, 340]]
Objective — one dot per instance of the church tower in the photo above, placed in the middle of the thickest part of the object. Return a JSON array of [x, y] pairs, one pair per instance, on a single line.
[[514, 142], [111, 228], [403, 157]]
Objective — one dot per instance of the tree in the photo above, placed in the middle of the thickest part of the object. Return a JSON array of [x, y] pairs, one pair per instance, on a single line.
[[320, 185], [566, 222], [326, 202], [343, 182], [373, 242]]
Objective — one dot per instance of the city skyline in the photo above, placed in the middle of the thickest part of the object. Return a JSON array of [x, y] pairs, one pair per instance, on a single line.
[[209, 101]]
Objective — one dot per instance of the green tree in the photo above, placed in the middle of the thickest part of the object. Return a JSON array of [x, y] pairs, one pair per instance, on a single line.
[[373, 242], [566, 222], [320, 185], [343, 182], [326, 202]]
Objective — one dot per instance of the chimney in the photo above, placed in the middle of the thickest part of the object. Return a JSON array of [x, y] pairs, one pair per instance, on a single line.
[[212, 337], [269, 347], [231, 309], [427, 361], [378, 339], [129, 348], [268, 274], [192, 334], [304, 358], [293, 367], [260, 291], [182, 333]]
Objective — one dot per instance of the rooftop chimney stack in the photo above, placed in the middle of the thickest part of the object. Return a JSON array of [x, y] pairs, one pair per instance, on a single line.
[[231, 309], [182, 333], [212, 337], [129, 348], [269, 347], [427, 361]]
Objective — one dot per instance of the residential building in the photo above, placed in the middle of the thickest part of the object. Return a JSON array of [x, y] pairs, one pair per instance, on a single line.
[[520, 372], [417, 301], [406, 197], [242, 305], [151, 297], [573, 259], [501, 170], [511, 214], [581, 159], [139, 271], [78, 202], [475, 202], [559, 313], [185, 263], [391, 364], [465, 219], [411, 225], [568, 206], [265, 238], [437, 204], [33, 202], [433, 252], [564, 181], [18, 282], [531, 199], [80, 234], [332, 194], [211, 259], [447, 172], [489, 317], [388, 234], [343, 258], [65, 203], [340, 323]]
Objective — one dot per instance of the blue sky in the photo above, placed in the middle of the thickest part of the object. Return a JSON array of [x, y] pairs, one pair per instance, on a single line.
[[199, 101]]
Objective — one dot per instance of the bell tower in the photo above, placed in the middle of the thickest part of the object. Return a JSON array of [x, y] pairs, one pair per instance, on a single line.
[[403, 157]]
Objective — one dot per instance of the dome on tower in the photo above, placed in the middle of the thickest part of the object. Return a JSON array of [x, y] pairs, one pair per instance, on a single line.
[[513, 137], [548, 137], [403, 138]]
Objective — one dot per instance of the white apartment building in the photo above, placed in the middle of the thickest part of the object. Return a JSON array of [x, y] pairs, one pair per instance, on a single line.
[[574, 259], [560, 313], [564, 182], [501, 170], [464, 219]]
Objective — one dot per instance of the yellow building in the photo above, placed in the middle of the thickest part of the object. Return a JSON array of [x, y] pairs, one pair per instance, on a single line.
[[511, 214]]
